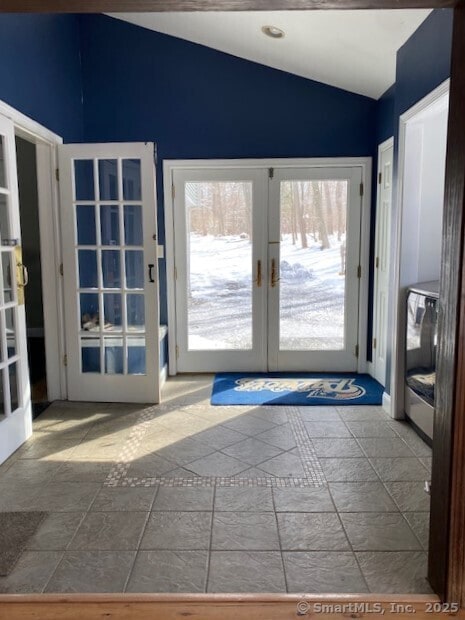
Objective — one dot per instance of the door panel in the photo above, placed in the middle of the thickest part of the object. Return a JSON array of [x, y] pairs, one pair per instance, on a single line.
[[315, 241], [382, 247], [220, 260], [110, 271], [15, 399]]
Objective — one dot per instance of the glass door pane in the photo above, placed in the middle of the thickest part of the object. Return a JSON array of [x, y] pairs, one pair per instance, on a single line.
[[219, 264], [313, 217]]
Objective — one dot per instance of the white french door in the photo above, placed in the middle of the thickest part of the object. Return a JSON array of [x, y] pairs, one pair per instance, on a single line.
[[267, 265], [314, 248], [109, 230], [15, 398]]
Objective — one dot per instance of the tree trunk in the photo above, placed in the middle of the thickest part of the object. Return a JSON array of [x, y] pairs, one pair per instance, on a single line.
[[321, 222]]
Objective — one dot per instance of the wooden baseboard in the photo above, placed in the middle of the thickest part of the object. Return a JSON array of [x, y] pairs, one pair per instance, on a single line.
[[220, 607]]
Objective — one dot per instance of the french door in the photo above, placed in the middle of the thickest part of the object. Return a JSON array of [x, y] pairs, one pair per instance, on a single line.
[[267, 268], [110, 271], [15, 398]]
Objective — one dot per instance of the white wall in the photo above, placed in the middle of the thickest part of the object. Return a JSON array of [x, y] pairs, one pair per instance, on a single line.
[[423, 196]]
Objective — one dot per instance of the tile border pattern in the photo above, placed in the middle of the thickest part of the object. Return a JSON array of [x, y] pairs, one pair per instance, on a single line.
[[314, 476]]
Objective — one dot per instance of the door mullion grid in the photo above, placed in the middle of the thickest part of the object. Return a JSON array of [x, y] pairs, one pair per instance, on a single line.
[[99, 264], [124, 323], [4, 366]]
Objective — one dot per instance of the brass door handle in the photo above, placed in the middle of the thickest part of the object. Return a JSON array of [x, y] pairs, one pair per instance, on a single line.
[[274, 278], [258, 280]]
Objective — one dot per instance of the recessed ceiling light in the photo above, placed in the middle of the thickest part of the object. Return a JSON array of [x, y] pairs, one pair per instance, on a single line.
[[273, 32]]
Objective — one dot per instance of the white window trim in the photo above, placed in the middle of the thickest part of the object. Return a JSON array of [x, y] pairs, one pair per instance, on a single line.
[[170, 165], [50, 244]]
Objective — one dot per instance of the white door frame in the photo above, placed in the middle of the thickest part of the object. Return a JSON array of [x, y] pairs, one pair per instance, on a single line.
[[394, 402], [50, 244], [384, 146], [343, 162]]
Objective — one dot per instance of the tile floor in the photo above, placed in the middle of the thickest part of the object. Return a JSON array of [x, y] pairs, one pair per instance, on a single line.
[[185, 497]]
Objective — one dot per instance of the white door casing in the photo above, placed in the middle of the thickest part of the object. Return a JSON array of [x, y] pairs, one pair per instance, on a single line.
[[109, 230], [15, 397], [382, 259]]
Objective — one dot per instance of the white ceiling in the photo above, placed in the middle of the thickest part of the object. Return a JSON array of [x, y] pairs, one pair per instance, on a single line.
[[353, 50]]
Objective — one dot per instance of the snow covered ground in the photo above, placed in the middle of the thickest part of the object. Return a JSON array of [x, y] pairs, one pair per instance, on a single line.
[[220, 299]]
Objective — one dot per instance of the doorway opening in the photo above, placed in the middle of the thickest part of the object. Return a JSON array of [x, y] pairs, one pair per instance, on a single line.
[[26, 160], [269, 263]]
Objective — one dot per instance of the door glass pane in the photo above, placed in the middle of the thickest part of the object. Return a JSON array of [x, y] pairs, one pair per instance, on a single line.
[[109, 225], [219, 265], [113, 312], [114, 351], [89, 312], [2, 399], [4, 219], [88, 268], [136, 312], [136, 356], [134, 269], [108, 179], [84, 179], [10, 325], [111, 268], [85, 220], [2, 164], [14, 395], [313, 218], [90, 355], [133, 225], [131, 180], [7, 277]]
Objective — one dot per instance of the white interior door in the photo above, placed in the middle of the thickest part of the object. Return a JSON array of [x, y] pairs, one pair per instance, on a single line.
[[15, 398], [108, 211], [382, 259], [221, 276], [314, 253]]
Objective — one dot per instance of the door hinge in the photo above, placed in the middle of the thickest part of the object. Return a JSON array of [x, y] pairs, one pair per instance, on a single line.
[[361, 189], [57, 174], [374, 343], [270, 173], [175, 273], [359, 271], [377, 262], [356, 350], [380, 176], [65, 360], [177, 351], [155, 153], [173, 191], [61, 269]]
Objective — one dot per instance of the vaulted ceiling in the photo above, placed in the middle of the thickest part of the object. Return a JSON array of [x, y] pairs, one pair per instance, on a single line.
[[353, 50]]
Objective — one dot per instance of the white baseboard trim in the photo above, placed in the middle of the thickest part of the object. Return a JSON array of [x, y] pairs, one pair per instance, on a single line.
[[387, 403], [163, 375]]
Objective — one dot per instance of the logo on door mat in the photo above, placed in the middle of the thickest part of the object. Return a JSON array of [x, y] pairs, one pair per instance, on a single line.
[[335, 389]]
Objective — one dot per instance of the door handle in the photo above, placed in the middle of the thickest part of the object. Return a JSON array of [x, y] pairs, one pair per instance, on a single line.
[[258, 280], [150, 267], [274, 278]]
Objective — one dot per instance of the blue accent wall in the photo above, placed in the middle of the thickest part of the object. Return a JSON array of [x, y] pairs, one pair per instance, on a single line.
[[385, 111], [196, 102], [40, 70]]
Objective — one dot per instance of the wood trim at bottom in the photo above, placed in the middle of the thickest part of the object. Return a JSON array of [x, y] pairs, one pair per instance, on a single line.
[[220, 606]]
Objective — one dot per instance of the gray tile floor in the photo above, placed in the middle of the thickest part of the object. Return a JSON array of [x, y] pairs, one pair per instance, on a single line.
[[185, 497]]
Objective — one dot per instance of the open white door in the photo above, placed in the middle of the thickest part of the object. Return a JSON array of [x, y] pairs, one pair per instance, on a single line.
[[382, 259], [108, 212], [15, 398]]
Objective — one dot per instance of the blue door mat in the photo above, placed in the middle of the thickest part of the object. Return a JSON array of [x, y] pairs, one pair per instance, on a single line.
[[300, 389]]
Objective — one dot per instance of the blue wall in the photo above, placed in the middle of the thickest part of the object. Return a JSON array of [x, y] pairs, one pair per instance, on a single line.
[[199, 103], [40, 70]]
